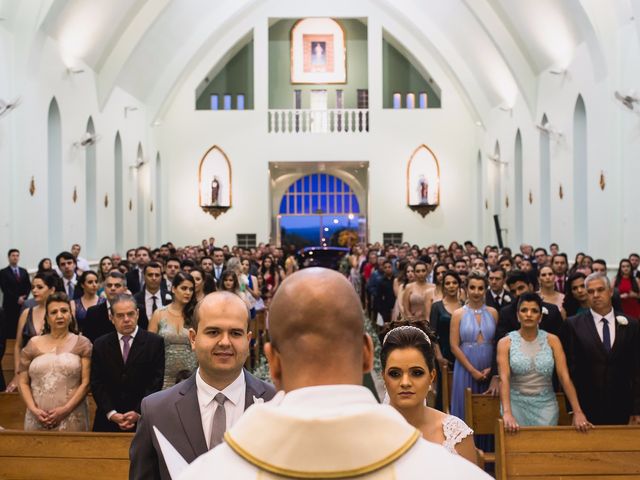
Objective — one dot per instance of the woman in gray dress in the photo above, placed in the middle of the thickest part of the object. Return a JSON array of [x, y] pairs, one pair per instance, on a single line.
[[172, 322]]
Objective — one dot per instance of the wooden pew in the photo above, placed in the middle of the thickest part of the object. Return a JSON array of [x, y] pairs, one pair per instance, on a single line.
[[12, 410], [64, 455], [555, 453], [7, 360], [446, 383], [482, 411]]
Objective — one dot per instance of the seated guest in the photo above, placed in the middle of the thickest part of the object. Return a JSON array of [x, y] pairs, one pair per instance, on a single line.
[[526, 361], [97, 322], [604, 358], [548, 292], [191, 415], [89, 283], [32, 320], [576, 299], [54, 372], [409, 371], [126, 366], [152, 296], [172, 323]]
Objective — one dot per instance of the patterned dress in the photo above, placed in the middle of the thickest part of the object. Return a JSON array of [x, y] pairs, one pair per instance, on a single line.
[[455, 430], [178, 355], [533, 401]]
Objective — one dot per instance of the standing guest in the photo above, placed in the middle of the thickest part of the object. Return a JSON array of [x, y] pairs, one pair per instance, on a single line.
[[116, 259], [198, 284], [418, 296], [634, 258], [409, 371], [45, 265], [97, 322], [548, 293], [126, 366], [628, 287], [270, 279], [218, 265], [82, 263], [152, 296], [554, 249], [587, 262], [472, 342], [104, 267], [559, 264], [497, 296], [131, 256], [384, 298], [541, 257], [478, 264], [171, 269], [135, 277], [356, 259], [438, 272], [172, 323], [526, 361], [54, 372], [440, 318], [506, 263], [89, 283], [604, 358], [67, 266], [576, 299], [600, 265], [32, 319], [191, 415]]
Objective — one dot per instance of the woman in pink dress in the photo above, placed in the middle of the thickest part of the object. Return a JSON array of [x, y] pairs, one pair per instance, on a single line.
[[629, 289]]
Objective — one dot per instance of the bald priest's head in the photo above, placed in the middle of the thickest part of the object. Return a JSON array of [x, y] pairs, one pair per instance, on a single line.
[[317, 332]]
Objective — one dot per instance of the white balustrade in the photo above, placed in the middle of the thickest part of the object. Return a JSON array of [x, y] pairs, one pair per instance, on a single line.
[[319, 121]]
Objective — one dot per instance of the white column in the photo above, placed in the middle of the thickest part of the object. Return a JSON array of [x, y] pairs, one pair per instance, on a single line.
[[261, 65]]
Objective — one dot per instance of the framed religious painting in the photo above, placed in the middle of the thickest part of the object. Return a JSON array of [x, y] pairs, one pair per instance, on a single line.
[[423, 181], [318, 53], [214, 182]]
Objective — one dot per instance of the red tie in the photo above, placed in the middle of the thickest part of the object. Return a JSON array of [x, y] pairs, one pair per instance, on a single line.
[[17, 274]]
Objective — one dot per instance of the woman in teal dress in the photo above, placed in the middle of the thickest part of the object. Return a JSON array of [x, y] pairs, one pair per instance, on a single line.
[[172, 323], [526, 361]]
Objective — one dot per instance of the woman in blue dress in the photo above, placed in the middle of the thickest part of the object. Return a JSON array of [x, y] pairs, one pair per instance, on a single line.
[[526, 361], [471, 337]]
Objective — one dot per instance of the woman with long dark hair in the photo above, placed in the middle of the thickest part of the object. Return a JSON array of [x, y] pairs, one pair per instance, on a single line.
[[576, 299], [629, 289]]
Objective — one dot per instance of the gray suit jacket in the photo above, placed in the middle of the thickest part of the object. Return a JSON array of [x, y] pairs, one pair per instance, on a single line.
[[176, 413]]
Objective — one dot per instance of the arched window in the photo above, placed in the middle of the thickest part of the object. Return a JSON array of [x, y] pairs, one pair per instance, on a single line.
[[545, 185], [54, 177], [319, 193], [580, 174], [119, 193], [517, 157], [91, 194]]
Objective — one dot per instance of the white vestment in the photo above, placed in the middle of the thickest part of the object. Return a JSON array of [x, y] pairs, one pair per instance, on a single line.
[[335, 431]]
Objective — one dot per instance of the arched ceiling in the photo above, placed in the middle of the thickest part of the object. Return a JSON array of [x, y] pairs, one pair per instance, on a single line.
[[492, 50]]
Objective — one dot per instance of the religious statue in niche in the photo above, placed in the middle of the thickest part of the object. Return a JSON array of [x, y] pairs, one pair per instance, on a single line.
[[214, 182], [318, 52], [423, 181]]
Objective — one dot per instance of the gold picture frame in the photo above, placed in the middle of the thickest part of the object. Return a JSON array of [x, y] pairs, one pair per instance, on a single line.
[[318, 52]]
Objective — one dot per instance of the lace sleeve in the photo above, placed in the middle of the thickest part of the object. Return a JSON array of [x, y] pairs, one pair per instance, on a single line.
[[27, 354], [455, 430]]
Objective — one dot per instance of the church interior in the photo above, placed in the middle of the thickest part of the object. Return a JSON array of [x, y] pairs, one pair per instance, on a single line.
[[291, 124]]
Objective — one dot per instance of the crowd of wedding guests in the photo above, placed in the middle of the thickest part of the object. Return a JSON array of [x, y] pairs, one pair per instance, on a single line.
[[519, 325]]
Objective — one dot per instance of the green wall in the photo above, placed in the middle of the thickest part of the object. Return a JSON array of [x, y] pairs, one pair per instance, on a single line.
[[399, 75], [236, 77], [280, 86]]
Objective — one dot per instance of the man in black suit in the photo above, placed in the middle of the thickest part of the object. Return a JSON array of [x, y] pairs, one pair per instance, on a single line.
[[559, 265], [126, 366], [496, 296], [67, 266], [152, 295], [135, 276], [15, 285], [97, 322], [189, 415], [519, 282], [218, 265], [603, 356]]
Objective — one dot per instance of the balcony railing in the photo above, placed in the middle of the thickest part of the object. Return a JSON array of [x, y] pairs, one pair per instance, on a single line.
[[319, 121]]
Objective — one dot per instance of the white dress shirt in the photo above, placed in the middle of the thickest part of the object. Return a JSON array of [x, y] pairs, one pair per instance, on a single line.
[[611, 318], [217, 271], [121, 343], [148, 301], [234, 405]]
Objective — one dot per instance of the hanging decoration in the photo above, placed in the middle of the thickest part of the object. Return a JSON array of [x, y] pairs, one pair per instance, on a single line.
[[486, 204], [74, 197], [130, 204], [530, 197], [151, 207], [32, 186], [106, 200], [506, 201], [561, 192], [603, 182]]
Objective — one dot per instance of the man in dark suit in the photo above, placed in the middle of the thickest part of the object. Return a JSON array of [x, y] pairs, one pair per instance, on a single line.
[[519, 282], [67, 266], [218, 265], [191, 415], [135, 276], [603, 356], [152, 295], [126, 366], [496, 296], [97, 322], [15, 285], [559, 265]]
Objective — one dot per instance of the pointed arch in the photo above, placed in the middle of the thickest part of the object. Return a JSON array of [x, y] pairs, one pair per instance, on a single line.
[[580, 167], [140, 190], [497, 180], [423, 166], [214, 165], [545, 185], [517, 162], [90, 179], [118, 192], [479, 200], [54, 176], [158, 202]]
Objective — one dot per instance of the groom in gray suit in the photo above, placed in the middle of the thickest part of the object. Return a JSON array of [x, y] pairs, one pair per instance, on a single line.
[[193, 415]]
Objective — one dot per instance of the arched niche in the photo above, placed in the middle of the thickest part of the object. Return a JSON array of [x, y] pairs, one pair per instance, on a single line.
[[580, 199], [517, 157], [423, 181], [214, 182], [90, 180], [118, 192], [545, 184], [54, 176]]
